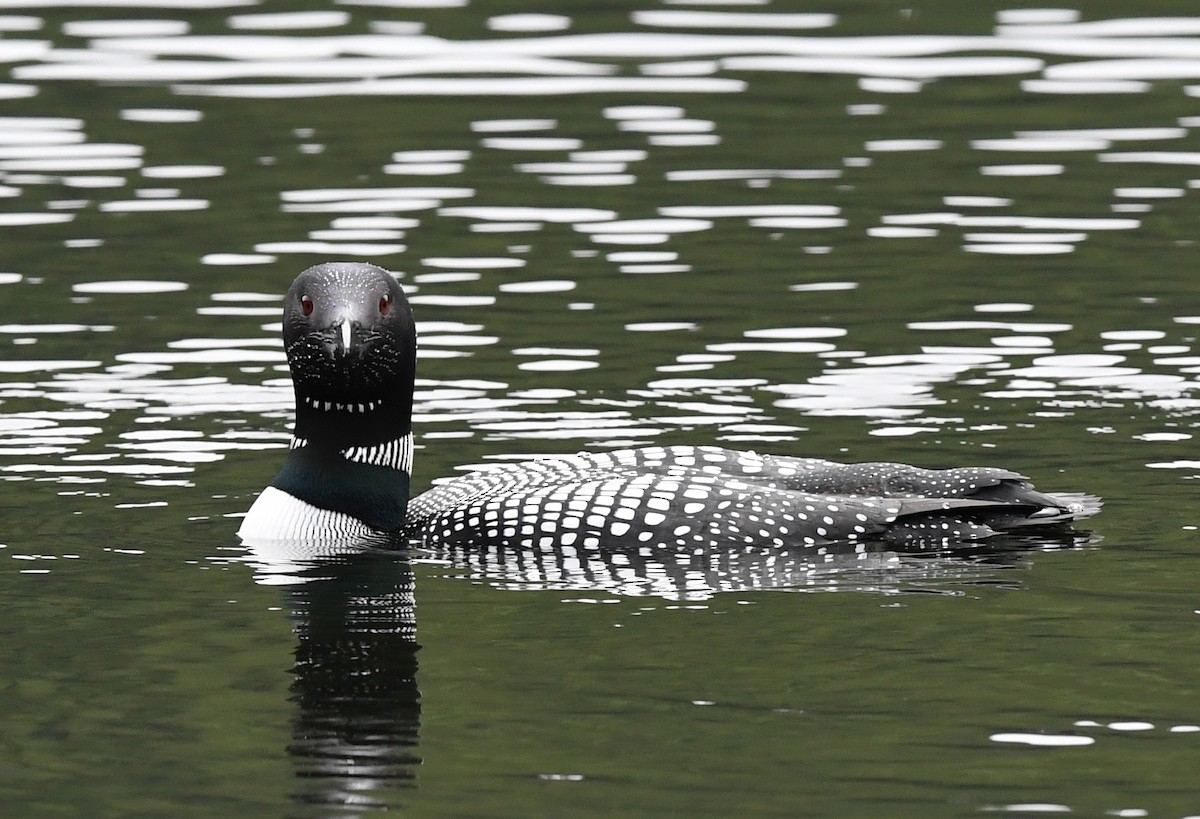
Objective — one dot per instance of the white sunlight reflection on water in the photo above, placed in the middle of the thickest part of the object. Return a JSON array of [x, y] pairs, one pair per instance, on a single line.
[[367, 222], [636, 268]]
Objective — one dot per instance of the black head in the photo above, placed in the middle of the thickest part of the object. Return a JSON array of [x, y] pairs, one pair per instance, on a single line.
[[351, 343]]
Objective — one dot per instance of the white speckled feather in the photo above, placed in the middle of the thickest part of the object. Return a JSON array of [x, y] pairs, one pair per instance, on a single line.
[[699, 497]]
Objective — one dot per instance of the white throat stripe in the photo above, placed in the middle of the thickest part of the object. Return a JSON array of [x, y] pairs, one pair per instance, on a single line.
[[397, 454]]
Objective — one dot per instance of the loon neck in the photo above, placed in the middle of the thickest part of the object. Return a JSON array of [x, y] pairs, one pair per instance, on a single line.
[[395, 454], [369, 482], [353, 421]]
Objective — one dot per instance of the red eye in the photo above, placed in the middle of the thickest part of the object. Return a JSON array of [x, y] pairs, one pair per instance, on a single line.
[[385, 305], [306, 305]]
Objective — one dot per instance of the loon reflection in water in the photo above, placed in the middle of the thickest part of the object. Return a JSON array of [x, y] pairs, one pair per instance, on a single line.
[[351, 344], [356, 730], [694, 574]]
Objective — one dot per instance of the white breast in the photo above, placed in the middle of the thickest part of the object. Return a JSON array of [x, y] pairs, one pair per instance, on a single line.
[[276, 515]]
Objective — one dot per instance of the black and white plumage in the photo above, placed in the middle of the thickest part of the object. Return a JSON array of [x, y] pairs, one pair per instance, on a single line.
[[698, 496], [351, 343], [352, 346]]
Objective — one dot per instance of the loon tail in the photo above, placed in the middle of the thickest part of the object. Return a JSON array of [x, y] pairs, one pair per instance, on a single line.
[[937, 520]]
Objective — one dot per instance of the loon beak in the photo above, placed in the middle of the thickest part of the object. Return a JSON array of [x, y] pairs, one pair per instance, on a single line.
[[337, 338]]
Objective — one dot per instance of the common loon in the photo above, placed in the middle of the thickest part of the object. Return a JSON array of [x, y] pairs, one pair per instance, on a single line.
[[351, 345]]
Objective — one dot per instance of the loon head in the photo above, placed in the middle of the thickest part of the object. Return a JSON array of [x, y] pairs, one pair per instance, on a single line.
[[351, 344]]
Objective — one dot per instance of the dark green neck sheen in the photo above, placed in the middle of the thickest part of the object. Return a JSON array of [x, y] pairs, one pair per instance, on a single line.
[[376, 495]]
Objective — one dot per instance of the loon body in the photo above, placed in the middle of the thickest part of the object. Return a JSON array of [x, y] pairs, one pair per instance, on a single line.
[[351, 344]]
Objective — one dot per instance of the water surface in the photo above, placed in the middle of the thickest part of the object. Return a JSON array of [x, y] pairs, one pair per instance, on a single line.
[[946, 235]]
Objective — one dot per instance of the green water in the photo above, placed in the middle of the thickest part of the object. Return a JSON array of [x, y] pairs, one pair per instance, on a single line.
[[152, 666]]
